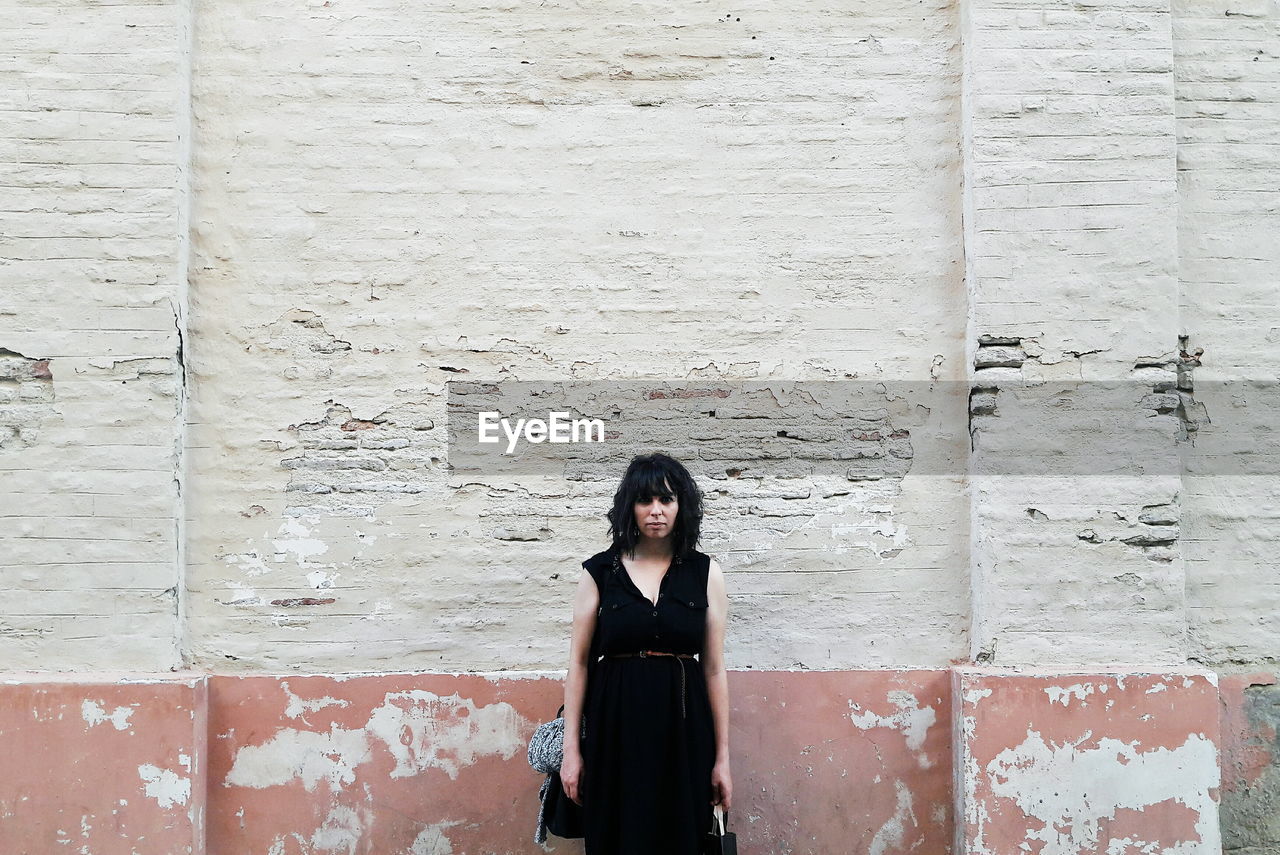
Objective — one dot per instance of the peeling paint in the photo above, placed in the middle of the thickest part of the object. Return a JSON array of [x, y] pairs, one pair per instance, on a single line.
[[1075, 791], [419, 729], [972, 696], [911, 719], [1064, 694], [891, 836], [298, 707], [432, 840], [94, 714], [423, 730], [295, 540], [301, 755], [343, 830], [166, 787]]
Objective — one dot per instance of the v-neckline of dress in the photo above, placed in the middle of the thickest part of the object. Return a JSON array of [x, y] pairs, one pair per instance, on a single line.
[[661, 582]]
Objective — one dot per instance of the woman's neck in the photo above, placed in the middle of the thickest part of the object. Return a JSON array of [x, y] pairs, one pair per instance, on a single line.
[[648, 548]]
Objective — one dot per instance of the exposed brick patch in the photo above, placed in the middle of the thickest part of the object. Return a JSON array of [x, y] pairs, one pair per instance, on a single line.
[[294, 602], [26, 393], [999, 352], [394, 452], [1152, 529]]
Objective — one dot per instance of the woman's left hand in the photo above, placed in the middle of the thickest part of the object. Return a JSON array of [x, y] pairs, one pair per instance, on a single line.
[[721, 785]]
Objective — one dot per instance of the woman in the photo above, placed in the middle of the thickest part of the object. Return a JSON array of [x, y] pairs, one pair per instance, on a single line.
[[654, 753]]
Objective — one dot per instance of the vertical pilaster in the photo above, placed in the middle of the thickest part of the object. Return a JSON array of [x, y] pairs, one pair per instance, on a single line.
[[1071, 245]]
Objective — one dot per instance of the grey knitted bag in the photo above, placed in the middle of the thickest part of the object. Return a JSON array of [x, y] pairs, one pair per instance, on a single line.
[[546, 754], [546, 748]]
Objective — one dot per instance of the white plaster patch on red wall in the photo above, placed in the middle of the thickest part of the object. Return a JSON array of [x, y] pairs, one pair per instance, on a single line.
[[911, 719], [1065, 787], [1064, 694], [446, 733], [298, 706], [420, 730], [432, 840], [168, 788], [94, 714], [975, 811], [345, 827], [342, 830], [891, 836], [303, 755]]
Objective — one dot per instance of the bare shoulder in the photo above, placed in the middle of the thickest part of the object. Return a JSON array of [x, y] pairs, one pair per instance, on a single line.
[[716, 589], [587, 596]]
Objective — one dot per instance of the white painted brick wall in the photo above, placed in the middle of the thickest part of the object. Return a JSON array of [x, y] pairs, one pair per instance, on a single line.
[[387, 198], [481, 189], [1227, 61], [89, 273], [1072, 239]]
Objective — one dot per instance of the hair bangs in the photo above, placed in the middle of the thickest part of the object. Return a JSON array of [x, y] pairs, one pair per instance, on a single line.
[[655, 476]]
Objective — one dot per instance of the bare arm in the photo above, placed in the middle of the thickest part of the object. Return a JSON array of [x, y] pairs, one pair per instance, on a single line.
[[717, 679], [585, 602]]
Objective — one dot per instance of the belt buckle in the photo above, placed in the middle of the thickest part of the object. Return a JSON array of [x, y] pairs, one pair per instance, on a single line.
[[643, 654]]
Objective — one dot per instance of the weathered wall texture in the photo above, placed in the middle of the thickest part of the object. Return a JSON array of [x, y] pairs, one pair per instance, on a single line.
[[110, 765], [1036, 240], [1072, 247], [436, 763], [770, 195], [1097, 762], [1227, 60], [1249, 713], [884, 762], [91, 284], [391, 197]]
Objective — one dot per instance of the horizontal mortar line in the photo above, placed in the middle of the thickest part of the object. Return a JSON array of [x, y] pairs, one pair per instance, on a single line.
[[159, 589], [1125, 136], [140, 114], [1073, 181], [61, 139], [104, 566], [90, 516], [44, 538], [1074, 206]]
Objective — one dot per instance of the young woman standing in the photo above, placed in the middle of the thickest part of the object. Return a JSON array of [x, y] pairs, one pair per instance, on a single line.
[[653, 755]]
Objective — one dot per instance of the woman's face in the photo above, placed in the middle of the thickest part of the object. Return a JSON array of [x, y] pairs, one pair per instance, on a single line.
[[656, 515]]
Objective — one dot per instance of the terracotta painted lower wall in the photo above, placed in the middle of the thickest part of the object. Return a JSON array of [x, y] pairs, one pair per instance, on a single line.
[[957, 760]]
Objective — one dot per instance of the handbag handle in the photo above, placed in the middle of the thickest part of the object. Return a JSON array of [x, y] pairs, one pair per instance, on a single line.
[[720, 817]]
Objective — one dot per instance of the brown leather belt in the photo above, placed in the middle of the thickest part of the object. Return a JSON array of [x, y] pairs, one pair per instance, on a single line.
[[653, 653], [644, 654]]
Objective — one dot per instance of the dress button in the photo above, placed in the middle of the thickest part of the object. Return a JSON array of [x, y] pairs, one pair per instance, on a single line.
[[655, 612]]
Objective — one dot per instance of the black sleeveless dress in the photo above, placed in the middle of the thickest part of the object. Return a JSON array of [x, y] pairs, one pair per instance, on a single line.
[[648, 743]]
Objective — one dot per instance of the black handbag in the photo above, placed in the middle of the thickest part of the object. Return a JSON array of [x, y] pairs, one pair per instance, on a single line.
[[559, 814], [720, 840]]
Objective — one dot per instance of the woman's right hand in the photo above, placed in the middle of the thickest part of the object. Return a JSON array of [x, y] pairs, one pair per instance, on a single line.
[[571, 775]]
